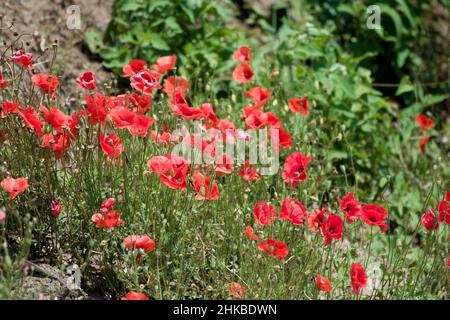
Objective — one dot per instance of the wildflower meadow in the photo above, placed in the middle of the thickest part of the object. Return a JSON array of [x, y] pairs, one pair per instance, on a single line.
[[214, 164]]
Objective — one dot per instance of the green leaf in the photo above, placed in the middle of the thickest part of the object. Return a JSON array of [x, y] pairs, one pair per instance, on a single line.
[[401, 57], [131, 6], [336, 154], [189, 13], [94, 41], [172, 24], [158, 42], [403, 7], [430, 100], [404, 86], [159, 4]]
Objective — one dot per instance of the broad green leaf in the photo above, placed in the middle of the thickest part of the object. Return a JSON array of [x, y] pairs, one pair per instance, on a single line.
[[158, 42], [404, 86], [94, 41], [132, 6]]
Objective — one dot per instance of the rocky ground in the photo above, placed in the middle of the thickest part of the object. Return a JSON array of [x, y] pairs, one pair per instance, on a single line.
[[42, 22]]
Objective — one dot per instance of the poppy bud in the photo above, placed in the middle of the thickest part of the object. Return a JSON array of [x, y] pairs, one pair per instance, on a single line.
[[55, 207]]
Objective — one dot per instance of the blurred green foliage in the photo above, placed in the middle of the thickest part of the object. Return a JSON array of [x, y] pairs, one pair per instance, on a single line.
[[194, 30], [403, 45]]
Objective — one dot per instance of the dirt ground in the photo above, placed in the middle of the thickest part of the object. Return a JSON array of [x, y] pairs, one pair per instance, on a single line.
[[45, 21]]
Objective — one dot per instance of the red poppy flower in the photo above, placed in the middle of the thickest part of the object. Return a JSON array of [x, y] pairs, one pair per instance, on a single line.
[[47, 83], [2, 215], [203, 186], [135, 296], [107, 205], [358, 276], [163, 138], [248, 171], [9, 107], [31, 118], [294, 169], [209, 115], [316, 221], [111, 145], [265, 214], [55, 117], [140, 103], [180, 107], [258, 95], [73, 124], [254, 118], [275, 248], [429, 220], [23, 58], [171, 169], [133, 67], [444, 209], [136, 242], [350, 207], [423, 143], [284, 139], [122, 117], [177, 98], [58, 143], [332, 228], [175, 84], [237, 290], [14, 186], [145, 81], [243, 54], [271, 120], [186, 112], [109, 219], [3, 82], [374, 215], [424, 122], [299, 105], [249, 233], [228, 130], [96, 108], [243, 73], [87, 80], [141, 124], [225, 166], [164, 64], [55, 207], [120, 100], [323, 284], [292, 210]]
